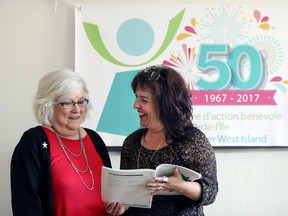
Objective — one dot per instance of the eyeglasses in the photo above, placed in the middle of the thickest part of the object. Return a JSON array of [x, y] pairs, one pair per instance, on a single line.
[[154, 73], [71, 104]]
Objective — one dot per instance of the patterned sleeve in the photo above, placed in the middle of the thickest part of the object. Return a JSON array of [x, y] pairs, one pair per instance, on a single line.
[[130, 149], [124, 162], [129, 152], [201, 157]]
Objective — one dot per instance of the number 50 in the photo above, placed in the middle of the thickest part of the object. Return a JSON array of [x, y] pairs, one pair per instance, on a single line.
[[230, 72]]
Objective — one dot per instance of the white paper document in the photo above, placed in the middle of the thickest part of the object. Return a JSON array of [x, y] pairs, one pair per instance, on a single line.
[[128, 186]]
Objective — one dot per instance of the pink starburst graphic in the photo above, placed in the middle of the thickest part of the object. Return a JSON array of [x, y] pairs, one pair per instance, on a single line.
[[262, 21], [279, 83], [189, 30], [184, 61]]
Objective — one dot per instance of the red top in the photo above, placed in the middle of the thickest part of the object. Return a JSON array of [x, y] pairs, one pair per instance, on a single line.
[[71, 197]]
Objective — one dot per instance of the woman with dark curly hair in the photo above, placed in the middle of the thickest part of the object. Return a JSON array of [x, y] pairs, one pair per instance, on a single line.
[[168, 136]]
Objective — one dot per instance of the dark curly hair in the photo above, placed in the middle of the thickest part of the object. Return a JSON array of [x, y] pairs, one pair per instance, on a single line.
[[172, 98]]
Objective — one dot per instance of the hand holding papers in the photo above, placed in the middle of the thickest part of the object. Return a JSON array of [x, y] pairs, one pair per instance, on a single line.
[[128, 186]]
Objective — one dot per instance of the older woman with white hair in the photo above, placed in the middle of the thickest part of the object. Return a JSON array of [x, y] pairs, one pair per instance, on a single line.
[[56, 166]]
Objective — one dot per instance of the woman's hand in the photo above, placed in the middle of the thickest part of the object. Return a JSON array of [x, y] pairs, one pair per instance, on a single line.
[[115, 208], [176, 183]]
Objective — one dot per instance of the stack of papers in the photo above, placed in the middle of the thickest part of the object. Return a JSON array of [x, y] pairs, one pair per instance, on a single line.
[[128, 186]]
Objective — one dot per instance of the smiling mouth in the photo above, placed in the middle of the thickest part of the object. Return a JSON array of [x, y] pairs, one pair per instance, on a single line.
[[75, 117], [141, 115]]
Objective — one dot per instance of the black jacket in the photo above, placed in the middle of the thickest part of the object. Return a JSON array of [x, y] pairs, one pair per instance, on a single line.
[[31, 179]]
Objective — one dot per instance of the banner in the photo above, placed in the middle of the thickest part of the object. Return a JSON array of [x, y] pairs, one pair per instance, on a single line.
[[233, 58]]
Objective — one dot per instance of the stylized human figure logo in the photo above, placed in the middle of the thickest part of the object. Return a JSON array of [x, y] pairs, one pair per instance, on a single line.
[[131, 27], [117, 116]]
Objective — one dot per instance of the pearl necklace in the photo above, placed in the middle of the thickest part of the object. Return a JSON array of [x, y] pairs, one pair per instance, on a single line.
[[82, 150], [138, 158]]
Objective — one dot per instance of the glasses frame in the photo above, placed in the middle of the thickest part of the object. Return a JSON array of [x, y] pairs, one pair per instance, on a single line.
[[82, 103], [154, 75]]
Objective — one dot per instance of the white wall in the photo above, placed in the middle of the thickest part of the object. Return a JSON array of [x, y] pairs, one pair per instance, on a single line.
[[34, 40]]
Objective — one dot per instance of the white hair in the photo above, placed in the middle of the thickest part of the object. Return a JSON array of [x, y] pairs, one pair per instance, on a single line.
[[53, 87]]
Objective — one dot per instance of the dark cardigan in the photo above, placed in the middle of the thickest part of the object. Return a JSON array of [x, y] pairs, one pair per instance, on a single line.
[[31, 178]]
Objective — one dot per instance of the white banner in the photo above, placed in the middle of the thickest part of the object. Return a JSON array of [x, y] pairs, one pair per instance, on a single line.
[[234, 59]]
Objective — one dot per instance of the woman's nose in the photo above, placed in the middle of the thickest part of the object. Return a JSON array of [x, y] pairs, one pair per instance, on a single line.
[[76, 108], [136, 104]]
